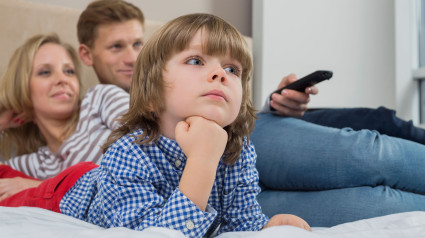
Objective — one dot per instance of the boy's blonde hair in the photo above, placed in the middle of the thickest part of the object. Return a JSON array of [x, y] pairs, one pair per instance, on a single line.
[[147, 87], [105, 12], [15, 95]]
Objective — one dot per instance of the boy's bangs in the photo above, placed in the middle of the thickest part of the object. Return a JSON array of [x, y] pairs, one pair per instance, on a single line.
[[222, 41]]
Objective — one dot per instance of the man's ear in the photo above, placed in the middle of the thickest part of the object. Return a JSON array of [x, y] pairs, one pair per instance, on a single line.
[[85, 54]]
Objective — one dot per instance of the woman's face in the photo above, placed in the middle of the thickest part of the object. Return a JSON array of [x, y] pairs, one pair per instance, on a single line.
[[54, 85]]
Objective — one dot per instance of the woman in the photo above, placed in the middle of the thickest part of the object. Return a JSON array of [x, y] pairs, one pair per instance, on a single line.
[[42, 117]]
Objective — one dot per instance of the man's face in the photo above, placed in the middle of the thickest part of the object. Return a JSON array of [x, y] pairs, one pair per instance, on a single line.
[[115, 51]]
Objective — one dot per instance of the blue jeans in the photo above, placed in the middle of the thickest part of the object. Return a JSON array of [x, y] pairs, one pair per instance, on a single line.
[[381, 119], [328, 176]]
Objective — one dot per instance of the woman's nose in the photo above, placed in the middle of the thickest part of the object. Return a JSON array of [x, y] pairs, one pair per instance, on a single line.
[[61, 78]]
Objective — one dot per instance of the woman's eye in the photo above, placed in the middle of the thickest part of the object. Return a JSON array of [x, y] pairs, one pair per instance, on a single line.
[[43, 73], [194, 61], [232, 69], [70, 71]]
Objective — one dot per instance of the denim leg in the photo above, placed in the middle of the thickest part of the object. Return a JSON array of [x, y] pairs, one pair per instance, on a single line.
[[332, 207], [297, 155], [381, 119]]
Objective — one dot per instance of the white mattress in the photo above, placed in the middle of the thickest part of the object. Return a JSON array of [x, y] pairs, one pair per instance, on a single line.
[[26, 222]]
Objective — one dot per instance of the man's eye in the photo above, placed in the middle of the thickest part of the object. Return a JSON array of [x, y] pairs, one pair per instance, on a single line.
[[116, 46], [194, 61], [138, 44], [232, 69]]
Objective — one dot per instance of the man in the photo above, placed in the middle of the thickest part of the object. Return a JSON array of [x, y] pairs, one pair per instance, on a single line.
[[111, 36]]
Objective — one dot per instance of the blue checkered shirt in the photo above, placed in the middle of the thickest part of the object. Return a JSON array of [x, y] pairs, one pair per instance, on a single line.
[[136, 186]]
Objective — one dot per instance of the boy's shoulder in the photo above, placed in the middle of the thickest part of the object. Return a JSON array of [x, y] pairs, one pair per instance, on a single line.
[[128, 141]]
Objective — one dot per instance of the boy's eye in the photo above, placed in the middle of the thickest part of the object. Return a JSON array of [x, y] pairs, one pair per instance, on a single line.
[[233, 69], [194, 61]]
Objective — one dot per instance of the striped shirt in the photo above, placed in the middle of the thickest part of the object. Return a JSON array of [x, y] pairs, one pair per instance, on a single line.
[[99, 108], [136, 186]]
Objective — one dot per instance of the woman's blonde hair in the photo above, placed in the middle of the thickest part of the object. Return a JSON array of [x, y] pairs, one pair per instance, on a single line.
[[15, 95], [147, 87]]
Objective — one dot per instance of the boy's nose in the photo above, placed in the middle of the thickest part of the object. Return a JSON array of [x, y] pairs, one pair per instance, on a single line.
[[219, 74]]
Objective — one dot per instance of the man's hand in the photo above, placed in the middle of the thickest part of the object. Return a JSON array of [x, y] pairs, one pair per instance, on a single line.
[[11, 186], [287, 219], [290, 102]]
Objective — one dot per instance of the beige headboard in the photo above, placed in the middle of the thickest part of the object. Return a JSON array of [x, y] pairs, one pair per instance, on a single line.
[[20, 19]]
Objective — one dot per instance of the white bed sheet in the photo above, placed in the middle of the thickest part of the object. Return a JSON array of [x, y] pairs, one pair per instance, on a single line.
[[26, 222]]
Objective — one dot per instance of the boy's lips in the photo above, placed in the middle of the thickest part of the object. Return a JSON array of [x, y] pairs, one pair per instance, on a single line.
[[216, 94]]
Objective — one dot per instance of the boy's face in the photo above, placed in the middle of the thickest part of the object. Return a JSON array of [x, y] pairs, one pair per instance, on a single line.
[[197, 84], [115, 51]]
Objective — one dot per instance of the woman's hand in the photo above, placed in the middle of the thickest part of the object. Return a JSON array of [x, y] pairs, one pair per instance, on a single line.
[[10, 119], [11, 186], [292, 103], [288, 219]]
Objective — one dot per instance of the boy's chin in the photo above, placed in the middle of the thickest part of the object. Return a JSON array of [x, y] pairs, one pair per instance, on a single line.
[[219, 120]]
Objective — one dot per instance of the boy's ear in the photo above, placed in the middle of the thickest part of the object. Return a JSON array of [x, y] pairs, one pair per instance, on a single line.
[[85, 54]]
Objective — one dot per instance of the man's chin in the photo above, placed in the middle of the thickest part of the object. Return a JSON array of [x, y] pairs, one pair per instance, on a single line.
[[124, 84]]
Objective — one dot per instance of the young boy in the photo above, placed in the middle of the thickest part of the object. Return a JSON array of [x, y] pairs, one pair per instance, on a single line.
[[181, 158]]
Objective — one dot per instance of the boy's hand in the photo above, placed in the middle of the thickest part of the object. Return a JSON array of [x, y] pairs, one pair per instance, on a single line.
[[201, 138], [290, 102], [203, 142], [287, 219]]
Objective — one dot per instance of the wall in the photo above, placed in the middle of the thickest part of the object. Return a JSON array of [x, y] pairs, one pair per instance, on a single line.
[[365, 43], [238, 12], [353, 38]]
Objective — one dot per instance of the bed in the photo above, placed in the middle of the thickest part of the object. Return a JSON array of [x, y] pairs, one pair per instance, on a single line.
[[20, 19], [26, 222]]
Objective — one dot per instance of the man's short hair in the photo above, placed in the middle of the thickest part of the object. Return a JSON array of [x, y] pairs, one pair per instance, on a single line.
[[105, 12]]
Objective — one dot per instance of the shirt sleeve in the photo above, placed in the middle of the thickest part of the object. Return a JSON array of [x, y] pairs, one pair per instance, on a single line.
[[128, 196], [244, 214], [112, 102], [28, 164]]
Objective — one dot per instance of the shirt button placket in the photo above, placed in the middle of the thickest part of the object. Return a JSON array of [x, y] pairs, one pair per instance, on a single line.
[[178, 163], [190, 225]]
